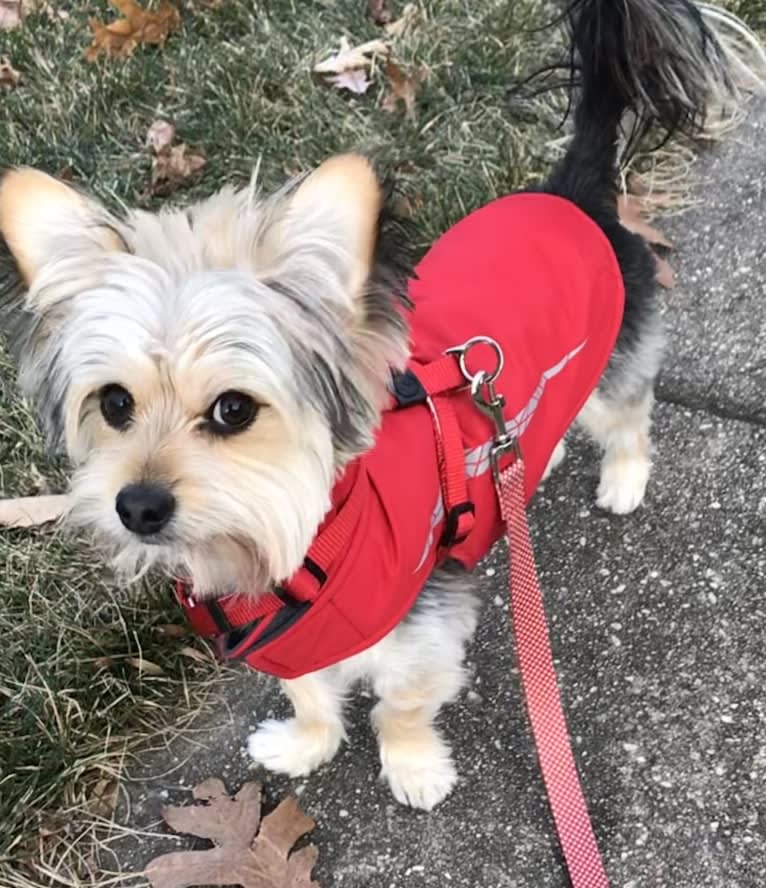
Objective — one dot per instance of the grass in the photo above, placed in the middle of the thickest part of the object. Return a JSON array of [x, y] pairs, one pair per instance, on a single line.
[[236, 79]]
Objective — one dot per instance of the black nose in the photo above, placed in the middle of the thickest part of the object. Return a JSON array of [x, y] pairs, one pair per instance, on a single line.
[[144, 508]]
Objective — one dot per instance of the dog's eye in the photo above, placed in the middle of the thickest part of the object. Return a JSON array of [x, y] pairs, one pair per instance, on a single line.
[[116, 405], [232, 412]]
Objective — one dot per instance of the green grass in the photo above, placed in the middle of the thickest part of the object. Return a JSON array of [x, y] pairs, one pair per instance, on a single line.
[[237, 81]]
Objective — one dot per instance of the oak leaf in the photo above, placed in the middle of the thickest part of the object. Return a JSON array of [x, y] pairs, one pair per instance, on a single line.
[[138, 26], [173, 166], [243, 854], [406, 22]]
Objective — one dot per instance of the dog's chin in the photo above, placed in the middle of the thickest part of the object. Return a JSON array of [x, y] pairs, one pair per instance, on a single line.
[[213, 567]]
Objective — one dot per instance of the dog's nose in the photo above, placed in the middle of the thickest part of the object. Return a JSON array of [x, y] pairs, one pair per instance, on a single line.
[[145, 508]]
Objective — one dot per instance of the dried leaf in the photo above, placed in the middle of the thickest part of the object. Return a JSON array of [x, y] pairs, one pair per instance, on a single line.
[[352, 58], [119, 38], [144, 665], [171, 630], [242, 855], [354, 81], [630, 209], [402, 88], [31, 511], [175, 168], [160, 136], [379, 11], [102, 799], [194, 654], [10, 14], [406, 22], [665, 274], [9, 76]]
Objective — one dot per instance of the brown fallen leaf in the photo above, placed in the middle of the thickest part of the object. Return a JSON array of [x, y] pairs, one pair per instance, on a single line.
[[174, 168], [160, 135], [665, 274], [10, 14], [143, 665], [138, 26], [379, 11], [402, 88], [354, 81], [406, 22], [31, 511], [102, 798], [9, 76], [171, 630], [242, 854], [631, 209]]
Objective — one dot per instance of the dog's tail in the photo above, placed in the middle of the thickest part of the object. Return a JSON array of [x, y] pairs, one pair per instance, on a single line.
[[646, 65]]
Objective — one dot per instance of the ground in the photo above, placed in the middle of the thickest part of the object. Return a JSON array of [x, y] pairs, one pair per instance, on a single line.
[[656, 619]]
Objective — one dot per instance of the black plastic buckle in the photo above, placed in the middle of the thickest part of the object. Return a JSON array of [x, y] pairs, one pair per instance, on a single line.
[[451, 523], [407, 389]]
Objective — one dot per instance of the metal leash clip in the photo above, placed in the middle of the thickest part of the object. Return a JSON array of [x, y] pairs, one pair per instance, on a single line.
[[488, 399]]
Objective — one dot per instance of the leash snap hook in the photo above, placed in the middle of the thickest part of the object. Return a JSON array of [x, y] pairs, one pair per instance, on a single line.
[[488, 399], [492, 404]]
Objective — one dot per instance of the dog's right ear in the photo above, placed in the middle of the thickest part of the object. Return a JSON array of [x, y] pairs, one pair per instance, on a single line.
[[39, 213]]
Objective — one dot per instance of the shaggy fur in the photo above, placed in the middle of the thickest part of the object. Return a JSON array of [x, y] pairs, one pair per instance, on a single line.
[[286, 301]]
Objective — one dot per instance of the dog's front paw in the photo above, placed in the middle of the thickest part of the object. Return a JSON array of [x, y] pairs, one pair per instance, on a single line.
[[623, 484], [294, 748], [419, 771]]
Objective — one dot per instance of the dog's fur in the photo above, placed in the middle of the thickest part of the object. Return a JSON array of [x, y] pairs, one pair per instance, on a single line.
[[287, 300]]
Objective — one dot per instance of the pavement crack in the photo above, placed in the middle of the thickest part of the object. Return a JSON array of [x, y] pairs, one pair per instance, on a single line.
[[721, 410]]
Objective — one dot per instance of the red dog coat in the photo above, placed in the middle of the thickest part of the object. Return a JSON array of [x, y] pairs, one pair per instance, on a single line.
[[537, 275]]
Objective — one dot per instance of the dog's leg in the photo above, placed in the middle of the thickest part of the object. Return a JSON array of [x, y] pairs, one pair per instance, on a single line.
[[299, 745], [420, 670], [557, 457], [622, 429]]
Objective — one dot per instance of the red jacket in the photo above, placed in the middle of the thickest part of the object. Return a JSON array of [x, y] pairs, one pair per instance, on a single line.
[[536, 274]]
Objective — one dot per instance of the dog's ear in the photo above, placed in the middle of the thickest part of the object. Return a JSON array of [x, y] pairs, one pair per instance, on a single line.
[[337, 207], [38, 212]]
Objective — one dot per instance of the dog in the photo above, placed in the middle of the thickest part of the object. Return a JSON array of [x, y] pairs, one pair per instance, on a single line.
[[212, 371]]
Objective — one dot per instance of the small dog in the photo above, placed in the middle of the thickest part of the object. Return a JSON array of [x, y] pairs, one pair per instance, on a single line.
[[212, 371]]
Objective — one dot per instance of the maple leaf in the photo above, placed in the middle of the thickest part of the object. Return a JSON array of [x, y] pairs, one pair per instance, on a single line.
[[631, 209], [242, 854], [9, 76], [31, 511], [402, 88], [118, 39]]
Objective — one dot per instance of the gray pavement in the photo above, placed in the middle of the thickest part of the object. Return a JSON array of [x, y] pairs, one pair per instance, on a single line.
[[658, 623]]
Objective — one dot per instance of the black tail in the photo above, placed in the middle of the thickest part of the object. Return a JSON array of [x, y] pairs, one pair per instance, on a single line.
[[644, 64]]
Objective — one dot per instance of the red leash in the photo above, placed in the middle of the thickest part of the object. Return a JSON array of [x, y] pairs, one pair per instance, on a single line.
[[538, 677]]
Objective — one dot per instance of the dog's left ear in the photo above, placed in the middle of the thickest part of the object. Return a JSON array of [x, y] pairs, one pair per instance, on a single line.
[[337, 207], [38, 212]]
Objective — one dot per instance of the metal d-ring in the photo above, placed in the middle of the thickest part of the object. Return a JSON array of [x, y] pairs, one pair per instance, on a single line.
[[462, 351]]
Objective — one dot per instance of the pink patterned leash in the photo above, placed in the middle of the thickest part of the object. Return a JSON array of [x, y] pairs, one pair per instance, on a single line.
[[538, 677]]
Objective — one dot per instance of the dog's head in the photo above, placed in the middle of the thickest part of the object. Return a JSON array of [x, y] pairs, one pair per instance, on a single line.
[[208, 370]]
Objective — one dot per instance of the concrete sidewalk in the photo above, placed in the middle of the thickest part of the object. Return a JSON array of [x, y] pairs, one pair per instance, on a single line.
[[658, 623]]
